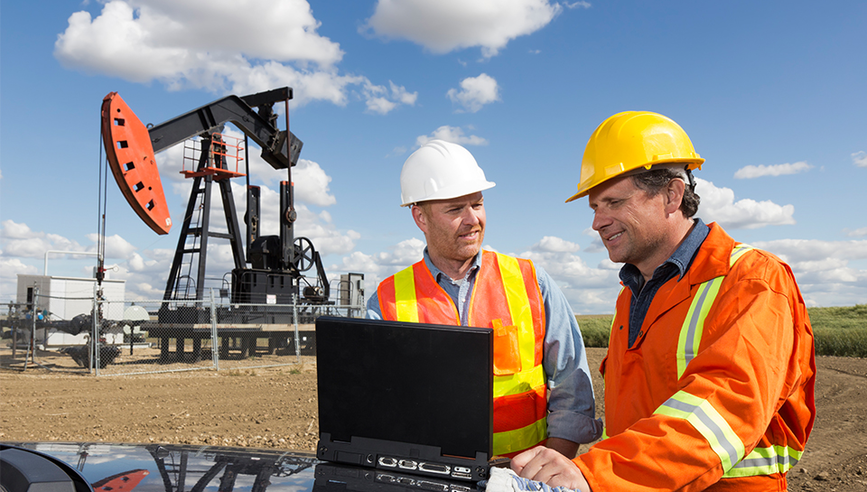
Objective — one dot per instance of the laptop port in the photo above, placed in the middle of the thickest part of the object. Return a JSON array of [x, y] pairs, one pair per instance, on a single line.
[[460, 488], [433, 486], [462, 469], [386, 461], [405, 481], [434, 468], [458, 474], [382, 477]]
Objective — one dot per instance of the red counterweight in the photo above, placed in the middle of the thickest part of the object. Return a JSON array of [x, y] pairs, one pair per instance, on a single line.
[[131, 158]]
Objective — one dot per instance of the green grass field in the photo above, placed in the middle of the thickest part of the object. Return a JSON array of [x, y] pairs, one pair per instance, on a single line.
[[840, 331]]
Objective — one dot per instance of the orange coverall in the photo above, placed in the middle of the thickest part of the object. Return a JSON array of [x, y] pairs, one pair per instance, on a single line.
[[724, 406]]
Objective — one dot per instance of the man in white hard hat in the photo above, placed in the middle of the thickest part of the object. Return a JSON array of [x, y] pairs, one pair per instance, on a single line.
[[543, 393]]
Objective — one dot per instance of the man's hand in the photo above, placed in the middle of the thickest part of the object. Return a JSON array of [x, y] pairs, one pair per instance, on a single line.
[[549, 466]]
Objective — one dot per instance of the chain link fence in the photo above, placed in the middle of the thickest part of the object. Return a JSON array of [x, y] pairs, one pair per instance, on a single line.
[[139, 337]]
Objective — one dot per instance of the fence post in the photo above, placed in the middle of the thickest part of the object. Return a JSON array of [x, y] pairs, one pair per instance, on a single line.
[[94, 337], [31, 346], [295, 320], [215, 356]]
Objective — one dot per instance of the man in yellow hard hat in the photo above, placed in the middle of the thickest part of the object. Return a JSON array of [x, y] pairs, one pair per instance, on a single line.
[[542, 387], [710, 369]]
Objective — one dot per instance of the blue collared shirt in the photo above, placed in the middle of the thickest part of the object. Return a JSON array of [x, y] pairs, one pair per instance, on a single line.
[[571, 403], [676, 265]]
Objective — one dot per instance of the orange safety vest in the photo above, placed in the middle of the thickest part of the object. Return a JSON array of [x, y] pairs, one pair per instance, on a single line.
[[506, 297], [717, 391]]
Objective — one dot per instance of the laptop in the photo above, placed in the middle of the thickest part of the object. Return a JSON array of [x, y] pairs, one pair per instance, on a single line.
[[409, 398]]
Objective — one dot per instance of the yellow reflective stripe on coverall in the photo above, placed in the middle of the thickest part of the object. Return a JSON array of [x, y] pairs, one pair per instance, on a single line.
[[709, 423], [693, 325], [766, 461]]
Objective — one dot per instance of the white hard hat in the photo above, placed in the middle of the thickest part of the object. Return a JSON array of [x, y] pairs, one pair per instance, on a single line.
[[440, 170]]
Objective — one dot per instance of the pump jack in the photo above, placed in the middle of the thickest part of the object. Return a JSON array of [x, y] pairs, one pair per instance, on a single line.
[[276, 262]]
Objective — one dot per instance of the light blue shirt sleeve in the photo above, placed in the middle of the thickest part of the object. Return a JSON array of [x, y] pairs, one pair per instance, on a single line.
[[373, 311], [571, 402]]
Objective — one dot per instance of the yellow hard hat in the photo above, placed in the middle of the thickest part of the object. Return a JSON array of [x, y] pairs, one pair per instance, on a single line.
[[631, 140]]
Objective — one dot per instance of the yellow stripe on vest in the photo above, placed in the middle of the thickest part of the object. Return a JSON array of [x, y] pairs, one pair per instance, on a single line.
[[520, 439], [519, 307], [404, 293], [521, 382]]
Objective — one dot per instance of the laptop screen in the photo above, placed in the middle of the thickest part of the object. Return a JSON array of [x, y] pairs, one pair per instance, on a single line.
[[414, 383]]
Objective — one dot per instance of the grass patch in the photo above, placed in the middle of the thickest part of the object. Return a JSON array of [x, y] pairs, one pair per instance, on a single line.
[[840, 331], [595, 328]]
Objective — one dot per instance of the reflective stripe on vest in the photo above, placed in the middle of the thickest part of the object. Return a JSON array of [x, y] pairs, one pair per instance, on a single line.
[[519, 307], [407, 307], [502, 291]]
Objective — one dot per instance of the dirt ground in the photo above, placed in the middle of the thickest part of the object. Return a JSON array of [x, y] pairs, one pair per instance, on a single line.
[[277, 408]]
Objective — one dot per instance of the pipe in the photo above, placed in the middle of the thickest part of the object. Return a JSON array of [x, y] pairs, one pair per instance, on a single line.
[[45, 267]]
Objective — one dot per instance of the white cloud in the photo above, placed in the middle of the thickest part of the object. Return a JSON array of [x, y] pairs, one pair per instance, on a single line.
[[856, 233], [577, 5], [719, 205], [555, 244], [557, 256], [448, 25], [13, 230], [378, 266], [380, 105], [810, 250], [20, 241], [213, 45], [382, 100], [452, 134], [475, 92], [311, 184], [750, 172], [589, 290], [115, 246], [860, 158], [824, 270], [10, 268]]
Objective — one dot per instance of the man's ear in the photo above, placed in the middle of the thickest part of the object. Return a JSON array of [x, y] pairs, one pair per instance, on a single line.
[[419, 217], [674, 195]]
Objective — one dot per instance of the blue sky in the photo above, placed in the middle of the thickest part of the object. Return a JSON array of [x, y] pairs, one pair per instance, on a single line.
[[771, 93]]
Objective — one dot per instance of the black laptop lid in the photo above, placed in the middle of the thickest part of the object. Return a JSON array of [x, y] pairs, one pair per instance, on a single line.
[[413, 383]]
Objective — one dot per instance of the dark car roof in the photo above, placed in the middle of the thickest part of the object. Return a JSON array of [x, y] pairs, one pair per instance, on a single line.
[[111, 467], [169, 467]]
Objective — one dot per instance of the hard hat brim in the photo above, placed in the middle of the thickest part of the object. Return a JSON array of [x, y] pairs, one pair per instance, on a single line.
[[691, 164]]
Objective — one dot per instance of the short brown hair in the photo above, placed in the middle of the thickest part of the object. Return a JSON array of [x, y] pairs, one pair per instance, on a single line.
[[654, 180]]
